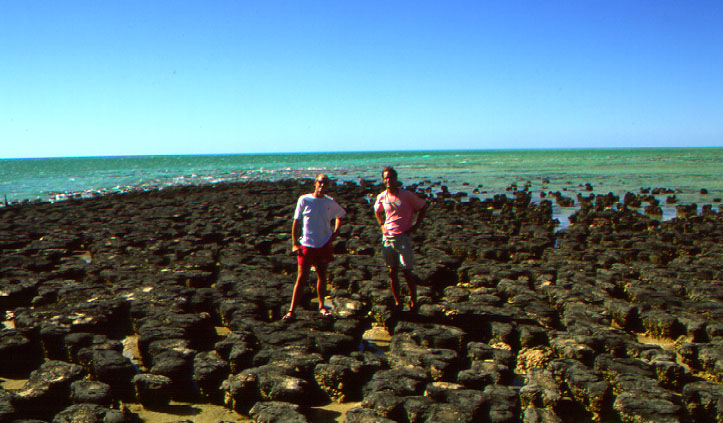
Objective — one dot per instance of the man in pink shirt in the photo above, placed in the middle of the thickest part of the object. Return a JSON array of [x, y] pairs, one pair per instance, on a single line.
[[395, 209]]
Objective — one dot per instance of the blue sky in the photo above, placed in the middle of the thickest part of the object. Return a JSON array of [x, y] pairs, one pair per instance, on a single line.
[[88, 78]]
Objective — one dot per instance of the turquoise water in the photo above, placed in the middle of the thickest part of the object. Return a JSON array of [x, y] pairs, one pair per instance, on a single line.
[[685, 170]]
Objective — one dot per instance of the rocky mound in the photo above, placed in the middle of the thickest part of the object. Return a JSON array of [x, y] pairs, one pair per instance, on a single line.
[[517, 322]]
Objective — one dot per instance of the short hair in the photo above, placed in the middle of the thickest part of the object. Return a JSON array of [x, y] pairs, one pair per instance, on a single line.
[[390, 170]]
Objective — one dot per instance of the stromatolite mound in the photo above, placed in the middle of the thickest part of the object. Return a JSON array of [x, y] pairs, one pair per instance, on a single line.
[[615, 318]]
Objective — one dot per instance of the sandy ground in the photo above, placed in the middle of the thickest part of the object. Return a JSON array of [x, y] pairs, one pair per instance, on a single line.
[[666, 344], [205, 413], [199, 413], [7, 383]]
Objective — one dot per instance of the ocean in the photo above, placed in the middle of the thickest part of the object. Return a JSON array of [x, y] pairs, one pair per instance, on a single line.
[[480, 173]]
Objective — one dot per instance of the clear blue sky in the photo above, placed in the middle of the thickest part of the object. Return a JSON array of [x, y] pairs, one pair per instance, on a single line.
[[86, 78]]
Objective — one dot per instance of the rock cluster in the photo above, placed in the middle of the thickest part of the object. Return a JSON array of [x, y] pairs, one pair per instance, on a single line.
[[517, 322]]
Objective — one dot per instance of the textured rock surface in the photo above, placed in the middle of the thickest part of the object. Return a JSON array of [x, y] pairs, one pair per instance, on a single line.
[[518, 321]]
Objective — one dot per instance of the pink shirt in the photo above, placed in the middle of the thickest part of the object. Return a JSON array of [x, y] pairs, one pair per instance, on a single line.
[[399, 210]]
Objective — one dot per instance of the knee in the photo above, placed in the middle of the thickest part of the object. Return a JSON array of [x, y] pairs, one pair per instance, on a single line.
[[302, 274]]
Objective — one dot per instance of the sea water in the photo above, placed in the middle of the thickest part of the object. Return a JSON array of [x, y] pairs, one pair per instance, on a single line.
[[480, 173]]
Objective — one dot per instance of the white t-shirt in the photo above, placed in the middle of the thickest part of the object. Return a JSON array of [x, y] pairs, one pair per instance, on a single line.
[[316, 215]]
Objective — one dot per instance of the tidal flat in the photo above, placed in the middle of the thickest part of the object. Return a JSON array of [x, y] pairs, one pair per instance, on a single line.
[[122, 306]]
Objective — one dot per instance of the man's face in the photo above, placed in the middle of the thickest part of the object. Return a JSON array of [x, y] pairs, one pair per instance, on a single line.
[[390, 180], [321, 184]]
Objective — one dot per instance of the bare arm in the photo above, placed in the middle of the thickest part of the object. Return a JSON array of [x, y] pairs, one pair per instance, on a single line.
[[420, 216], [337, 225], [295, 227], [381, 217]]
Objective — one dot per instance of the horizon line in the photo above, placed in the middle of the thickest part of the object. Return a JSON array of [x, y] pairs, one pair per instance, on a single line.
[[271, 153]]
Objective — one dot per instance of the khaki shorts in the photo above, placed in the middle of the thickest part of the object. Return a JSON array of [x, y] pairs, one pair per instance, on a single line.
[[398, 251]]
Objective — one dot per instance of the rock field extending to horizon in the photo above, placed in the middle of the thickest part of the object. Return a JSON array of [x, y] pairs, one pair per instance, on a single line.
[[617, 318]]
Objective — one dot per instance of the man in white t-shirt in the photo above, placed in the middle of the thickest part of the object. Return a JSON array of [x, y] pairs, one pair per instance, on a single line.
[[311, 238]]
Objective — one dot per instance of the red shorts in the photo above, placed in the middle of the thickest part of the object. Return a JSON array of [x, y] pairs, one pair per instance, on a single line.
[[317, 257]]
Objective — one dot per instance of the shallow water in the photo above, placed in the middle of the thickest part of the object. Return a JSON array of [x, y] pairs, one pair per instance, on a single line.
[[478, 173], [613, 170]]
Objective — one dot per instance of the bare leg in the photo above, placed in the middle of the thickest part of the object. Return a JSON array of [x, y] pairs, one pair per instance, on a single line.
[[321, 284], [394, 282], [412, 285], [302, 275]]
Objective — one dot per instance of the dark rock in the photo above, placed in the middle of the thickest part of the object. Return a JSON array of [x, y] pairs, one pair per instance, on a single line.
[[109, 366], [669, 373], [710, 357], [359, 368], [540, 390], [276, 383], [155, 335], [277, 412], [17, 293], [469, 404], [532, 336], [417, 408], [18, 355], [538, 415], [587, 388], [503, 404], [330, 343], [241, 356], [566, 345], [47, 391], [624, 314], [177, 365], [632, 376], [684, 211], [93, 413], [7, 411], [483, 373], [336, 380], [241, 391], [496, 273], [152, 391], [440, 363], [297, 360], [402, 382], [639, 407], [704, 401], [197, 328], [661, 324], [74, 342], [209, 371], [446, 413], [91, 392], [52, 337], [385, 404], [365, 415], [478, 351]]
